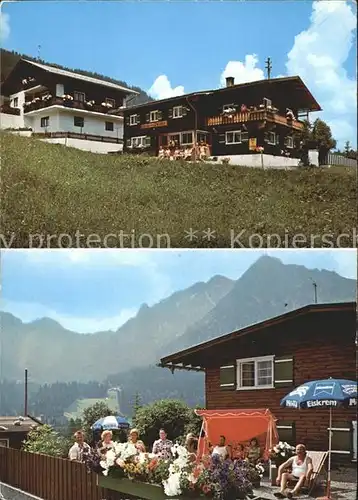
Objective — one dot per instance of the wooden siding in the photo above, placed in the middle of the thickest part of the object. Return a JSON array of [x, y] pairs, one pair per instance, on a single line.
[[315, 356], [50, 478]]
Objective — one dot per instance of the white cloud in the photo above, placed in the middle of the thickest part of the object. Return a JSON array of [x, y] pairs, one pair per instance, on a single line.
[[243, 72], [4, 26], [162, 89], [318, 55], [31, 311]]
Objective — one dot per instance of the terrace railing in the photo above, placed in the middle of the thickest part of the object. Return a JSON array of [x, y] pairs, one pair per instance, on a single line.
[[254, 116], [8, 110], [59, 101], [50, 478]]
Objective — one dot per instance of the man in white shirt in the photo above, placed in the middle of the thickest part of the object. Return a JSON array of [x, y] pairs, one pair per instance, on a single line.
[[79, 448]]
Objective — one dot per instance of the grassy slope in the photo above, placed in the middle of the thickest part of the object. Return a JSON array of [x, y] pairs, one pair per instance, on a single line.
[[51, 189]]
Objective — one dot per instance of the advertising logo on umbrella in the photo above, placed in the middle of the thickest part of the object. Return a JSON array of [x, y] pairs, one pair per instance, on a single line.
[[300, 391], [324, 389], [349, 389]]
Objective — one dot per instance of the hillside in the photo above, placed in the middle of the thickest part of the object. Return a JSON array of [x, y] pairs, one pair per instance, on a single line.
[[187, 317], [10, 58], [50, 189], [67, 356]]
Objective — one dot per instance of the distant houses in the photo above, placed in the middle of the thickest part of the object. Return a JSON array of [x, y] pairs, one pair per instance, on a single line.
[[64, 107], [236, 122], [14, 430], [76, 409]]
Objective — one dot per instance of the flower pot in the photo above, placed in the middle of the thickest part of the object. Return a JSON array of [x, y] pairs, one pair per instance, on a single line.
[[274, 472]]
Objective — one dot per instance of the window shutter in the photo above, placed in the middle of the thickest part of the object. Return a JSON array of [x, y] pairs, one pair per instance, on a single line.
[[160, 115], [286, 431], [283, 371], [128, 142], [221, 138], [277, 138], [342, 438], [127, 120], [137, 119], [266, 137], [184, 110], [228, 377], [147, 141], [170, 113], [244, 136], [147, 117]]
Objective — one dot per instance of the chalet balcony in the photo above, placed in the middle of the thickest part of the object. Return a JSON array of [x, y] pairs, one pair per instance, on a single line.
[[254, 116], [8, 110], [39, 103]]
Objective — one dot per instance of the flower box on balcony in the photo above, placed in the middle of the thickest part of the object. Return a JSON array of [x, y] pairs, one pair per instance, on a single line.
[[145, 491]]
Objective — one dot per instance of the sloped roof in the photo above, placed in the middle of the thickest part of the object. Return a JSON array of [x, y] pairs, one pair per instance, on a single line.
[[79, 76], [17, 424], [188, 358]]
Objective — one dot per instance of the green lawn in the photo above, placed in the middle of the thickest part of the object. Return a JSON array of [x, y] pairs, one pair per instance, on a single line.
[[53, 190]]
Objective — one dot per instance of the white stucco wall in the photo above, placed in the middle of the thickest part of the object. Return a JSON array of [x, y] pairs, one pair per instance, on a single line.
[[92, 124], [92, 146], [254, 160], [34, 121], [11, 121]]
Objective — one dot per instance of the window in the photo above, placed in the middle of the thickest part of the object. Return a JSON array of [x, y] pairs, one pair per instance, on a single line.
[[109, 126], [342, 437], [267, 102], [154, 116], [233, 137], [45, 121], [78, 121], [271, 138], [133, 119], [202, 136], [177, 111], [15, 102], [255, 373], [112, 102], [79, 96], [4, 443], [187, 138], [140, 142], [289, 142]]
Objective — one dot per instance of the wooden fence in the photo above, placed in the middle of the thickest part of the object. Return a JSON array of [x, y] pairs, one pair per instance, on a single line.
[[341, 160], [50, 478]]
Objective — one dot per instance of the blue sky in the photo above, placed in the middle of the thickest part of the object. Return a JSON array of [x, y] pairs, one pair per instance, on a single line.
[[169, 47], [94, 290]]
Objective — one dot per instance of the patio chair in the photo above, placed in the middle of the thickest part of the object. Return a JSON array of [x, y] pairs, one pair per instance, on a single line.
[[318, 460]]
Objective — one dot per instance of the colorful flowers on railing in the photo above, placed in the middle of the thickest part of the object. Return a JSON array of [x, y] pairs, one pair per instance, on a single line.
[[107, 105], [67, 97], [28, 80], [90, 104], [212, 476], [47, 97]]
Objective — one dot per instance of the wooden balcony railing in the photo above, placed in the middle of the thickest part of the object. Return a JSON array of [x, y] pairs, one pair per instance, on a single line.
[[8, 110], [75, 135], [59, 101], [253, 116]]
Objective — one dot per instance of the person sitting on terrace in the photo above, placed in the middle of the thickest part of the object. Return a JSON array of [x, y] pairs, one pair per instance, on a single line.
[[80, 448], [191, 444], [162, 446], [289, 114], [202, 151], [187, 153], [239, 452], [254, 451], [302, 468], [134, 439], [221, 449], [106, 442]]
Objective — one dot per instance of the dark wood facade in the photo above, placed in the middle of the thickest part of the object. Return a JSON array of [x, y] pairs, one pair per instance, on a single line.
[[40, 81], [256, 112], [14, 430], [315, 342]]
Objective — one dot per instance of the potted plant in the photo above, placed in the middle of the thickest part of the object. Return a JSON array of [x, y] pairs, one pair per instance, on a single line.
[[278, 455]]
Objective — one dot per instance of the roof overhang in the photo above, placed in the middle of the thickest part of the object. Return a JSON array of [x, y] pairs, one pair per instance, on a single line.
[[76, 111], [194, 358]]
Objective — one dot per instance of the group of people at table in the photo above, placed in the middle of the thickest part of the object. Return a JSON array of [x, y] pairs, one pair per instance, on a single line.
[[201, 151], [296, 469]]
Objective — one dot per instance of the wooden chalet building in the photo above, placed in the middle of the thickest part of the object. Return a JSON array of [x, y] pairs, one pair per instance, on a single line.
[[14, 430], [235, 121], [64, 107], [255, 367]]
